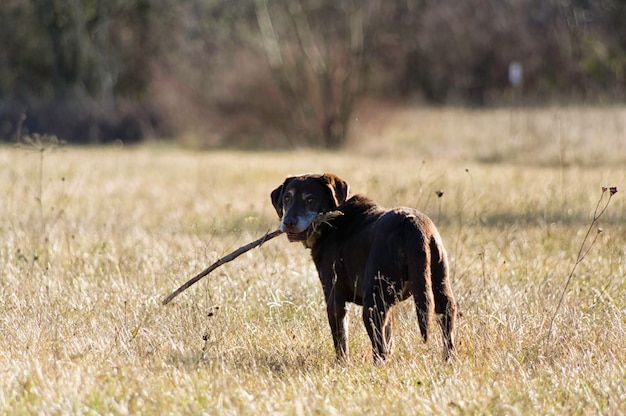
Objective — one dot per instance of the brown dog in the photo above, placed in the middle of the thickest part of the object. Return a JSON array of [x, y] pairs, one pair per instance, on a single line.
[[370, 256]]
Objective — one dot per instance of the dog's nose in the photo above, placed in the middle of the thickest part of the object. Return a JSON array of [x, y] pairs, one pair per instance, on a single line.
[[289, 222]]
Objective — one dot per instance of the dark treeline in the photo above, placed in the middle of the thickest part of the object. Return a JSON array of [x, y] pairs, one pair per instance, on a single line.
[[289, 72]]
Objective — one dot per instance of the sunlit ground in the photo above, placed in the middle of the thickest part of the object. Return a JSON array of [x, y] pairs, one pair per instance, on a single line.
[[93, 238]]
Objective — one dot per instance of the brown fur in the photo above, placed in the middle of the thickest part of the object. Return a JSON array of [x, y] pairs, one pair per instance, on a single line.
[[370, 256]]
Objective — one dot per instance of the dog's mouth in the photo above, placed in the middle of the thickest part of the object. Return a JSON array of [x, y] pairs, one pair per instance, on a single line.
[[295, 237]]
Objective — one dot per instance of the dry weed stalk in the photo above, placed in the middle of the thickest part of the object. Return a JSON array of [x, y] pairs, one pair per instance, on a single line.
[[582, 252]]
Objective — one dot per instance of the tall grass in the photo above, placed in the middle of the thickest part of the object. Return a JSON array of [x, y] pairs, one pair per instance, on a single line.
[[86, 260]]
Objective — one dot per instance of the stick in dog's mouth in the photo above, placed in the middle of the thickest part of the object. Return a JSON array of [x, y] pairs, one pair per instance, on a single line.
[[310, 235], [313, 232], [230, 257]]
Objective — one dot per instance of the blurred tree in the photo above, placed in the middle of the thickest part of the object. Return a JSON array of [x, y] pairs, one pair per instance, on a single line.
[[288, 72], [595, 45], [285, 72], [74, 63], [460, 51], [316, 55]]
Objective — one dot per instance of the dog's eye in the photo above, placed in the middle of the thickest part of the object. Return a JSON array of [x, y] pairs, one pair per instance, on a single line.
[[309, 200], [286, 199]]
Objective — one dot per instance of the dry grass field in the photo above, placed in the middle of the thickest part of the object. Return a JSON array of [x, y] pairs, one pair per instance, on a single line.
[[91, 240]]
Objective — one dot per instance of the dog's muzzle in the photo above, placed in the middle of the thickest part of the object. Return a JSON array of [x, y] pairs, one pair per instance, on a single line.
[[295, 228]]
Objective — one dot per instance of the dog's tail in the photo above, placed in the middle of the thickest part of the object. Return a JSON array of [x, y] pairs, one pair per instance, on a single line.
[[429, 274]]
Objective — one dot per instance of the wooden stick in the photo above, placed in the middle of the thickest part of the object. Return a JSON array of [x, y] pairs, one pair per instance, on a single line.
[[232, 256]]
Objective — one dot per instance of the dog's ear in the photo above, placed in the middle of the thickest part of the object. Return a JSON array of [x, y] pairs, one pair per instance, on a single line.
[[339, 189], [277, 197]]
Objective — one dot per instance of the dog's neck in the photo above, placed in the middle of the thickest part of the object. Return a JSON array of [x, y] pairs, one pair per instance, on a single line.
[[333, 219]]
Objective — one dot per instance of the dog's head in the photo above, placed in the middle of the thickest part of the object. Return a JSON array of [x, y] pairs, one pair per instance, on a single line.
[[300, 199]]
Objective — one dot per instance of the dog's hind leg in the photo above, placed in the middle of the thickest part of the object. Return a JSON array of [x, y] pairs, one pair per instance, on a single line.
[[445, 305], [419, 274]]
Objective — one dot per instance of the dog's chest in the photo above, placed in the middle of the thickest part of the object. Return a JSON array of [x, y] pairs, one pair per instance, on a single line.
[[348, 262]]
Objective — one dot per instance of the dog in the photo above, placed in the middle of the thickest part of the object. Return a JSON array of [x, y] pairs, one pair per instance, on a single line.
[[370, 256]]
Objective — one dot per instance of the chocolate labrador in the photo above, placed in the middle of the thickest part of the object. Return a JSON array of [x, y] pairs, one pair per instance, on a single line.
[[370, 256]]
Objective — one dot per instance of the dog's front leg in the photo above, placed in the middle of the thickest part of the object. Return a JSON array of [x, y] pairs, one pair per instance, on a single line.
[[337, 318], [336, 309]]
